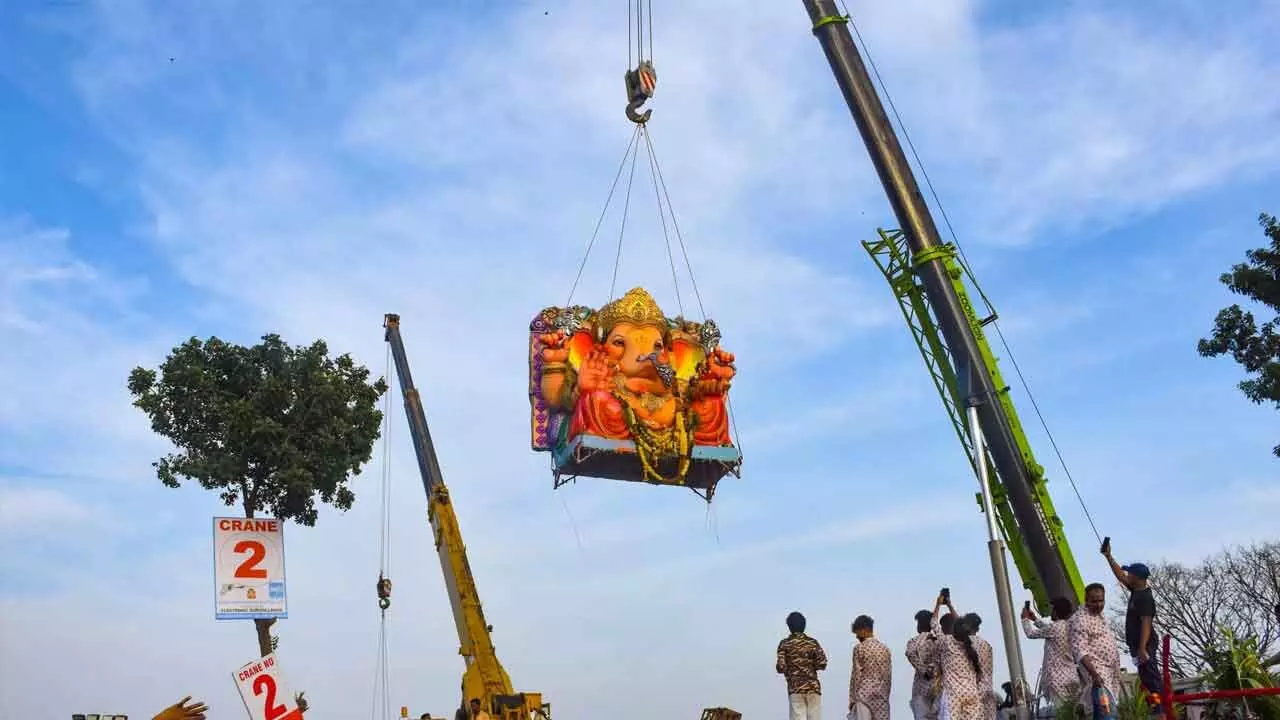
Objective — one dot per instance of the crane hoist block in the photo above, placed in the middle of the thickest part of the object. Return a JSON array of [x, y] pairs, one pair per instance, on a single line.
[[626, 393]]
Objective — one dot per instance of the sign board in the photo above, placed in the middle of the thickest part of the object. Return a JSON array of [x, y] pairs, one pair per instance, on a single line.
[[266, 695], [248, 568]]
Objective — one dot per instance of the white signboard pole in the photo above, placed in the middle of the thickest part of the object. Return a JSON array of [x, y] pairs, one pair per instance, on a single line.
[[266, 695], [248, 568]]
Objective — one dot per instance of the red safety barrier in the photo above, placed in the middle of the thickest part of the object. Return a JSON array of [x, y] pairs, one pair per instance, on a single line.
[[1168, 697]]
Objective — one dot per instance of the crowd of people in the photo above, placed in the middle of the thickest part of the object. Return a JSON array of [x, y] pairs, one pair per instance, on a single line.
[[952, 663]]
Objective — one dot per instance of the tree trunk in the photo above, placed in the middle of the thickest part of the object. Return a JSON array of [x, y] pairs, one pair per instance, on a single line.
[[263, 626]]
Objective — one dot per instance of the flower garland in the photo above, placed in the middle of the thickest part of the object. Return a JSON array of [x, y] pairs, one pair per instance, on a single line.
[[652, 446]]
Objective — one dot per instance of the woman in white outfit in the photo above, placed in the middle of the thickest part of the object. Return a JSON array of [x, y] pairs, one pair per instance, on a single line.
[[1059, 680]]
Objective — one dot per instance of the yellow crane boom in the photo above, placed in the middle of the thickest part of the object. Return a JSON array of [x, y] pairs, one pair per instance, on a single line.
[[484, 678]]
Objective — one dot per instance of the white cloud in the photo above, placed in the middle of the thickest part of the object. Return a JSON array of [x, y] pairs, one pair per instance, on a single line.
[[305, 172], [39, 510], [71, 333], [1265, 494], [1087, 115]]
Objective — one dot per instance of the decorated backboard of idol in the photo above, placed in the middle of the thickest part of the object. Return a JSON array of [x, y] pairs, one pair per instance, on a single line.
[[624, 392]]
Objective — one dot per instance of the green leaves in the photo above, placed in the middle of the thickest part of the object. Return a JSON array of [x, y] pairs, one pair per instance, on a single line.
[[1132, 705], [1254, 346], [273, 427], [1236, 664]]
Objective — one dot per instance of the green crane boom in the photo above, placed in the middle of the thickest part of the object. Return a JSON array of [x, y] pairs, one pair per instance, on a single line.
[[894, 258]]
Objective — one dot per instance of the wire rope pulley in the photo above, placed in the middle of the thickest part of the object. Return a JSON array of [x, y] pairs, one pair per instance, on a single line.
[[641, 79], [641, 83]]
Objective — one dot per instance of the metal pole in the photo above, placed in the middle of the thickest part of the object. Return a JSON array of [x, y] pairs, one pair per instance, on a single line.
[[1000, 574], [922, 236]]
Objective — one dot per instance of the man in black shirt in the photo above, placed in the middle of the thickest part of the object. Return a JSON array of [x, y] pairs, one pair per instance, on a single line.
[[1139, 622]]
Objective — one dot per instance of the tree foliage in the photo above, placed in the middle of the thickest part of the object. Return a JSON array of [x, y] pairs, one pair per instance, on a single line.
[[1256, 347], [1232, 594], [273, 427]]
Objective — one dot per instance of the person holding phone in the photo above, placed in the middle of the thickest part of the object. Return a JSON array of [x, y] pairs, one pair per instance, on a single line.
[[946, 624], [1059, 680], [966, 672], [1139, 621], [920, 653]]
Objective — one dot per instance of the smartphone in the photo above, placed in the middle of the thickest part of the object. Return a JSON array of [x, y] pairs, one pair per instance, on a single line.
[[946, 594], [1026, 607], [1106, 545]]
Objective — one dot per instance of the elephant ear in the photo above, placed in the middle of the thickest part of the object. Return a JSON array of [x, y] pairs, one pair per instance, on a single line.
[[686, 356], [579, 346]]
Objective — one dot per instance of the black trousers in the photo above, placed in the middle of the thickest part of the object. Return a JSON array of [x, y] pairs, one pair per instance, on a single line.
[[1149, 674]]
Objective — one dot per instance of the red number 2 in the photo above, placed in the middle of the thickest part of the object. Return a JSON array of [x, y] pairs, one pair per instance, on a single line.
[[267, 684], [249, 568]]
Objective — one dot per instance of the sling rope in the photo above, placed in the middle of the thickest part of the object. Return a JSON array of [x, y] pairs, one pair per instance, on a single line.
[[639, 18], [640, 86], [965, 267], [667, 221], [665, 202], [380, 705]]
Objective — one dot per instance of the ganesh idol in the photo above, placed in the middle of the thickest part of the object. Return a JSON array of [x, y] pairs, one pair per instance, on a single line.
[[628, 373]]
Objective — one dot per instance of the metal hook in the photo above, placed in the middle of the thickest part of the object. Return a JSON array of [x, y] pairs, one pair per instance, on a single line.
[[641, 83], [638, 118]]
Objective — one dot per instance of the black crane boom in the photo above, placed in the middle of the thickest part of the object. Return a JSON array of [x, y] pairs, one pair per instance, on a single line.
[[917, 224]]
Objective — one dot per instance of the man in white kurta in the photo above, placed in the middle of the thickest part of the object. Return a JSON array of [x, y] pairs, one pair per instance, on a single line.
[[872, 672], [920, 653], [1094, 646]]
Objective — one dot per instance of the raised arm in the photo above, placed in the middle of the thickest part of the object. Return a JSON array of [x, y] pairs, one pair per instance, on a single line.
[[1116, 569], [1034, 627], [935, 623], [1034, 630]]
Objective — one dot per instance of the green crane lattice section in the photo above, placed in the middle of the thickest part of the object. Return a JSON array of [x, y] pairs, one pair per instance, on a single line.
[[892, 255]]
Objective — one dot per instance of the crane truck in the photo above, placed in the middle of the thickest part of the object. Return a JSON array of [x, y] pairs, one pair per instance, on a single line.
[[484, 678]]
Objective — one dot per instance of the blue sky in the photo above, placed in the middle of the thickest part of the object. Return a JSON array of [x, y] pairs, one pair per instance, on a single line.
[[303, 168]]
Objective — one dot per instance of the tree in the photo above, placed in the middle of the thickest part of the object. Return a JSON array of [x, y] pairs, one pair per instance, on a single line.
[[271, 427], [1235, 331], [1235, 591]]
